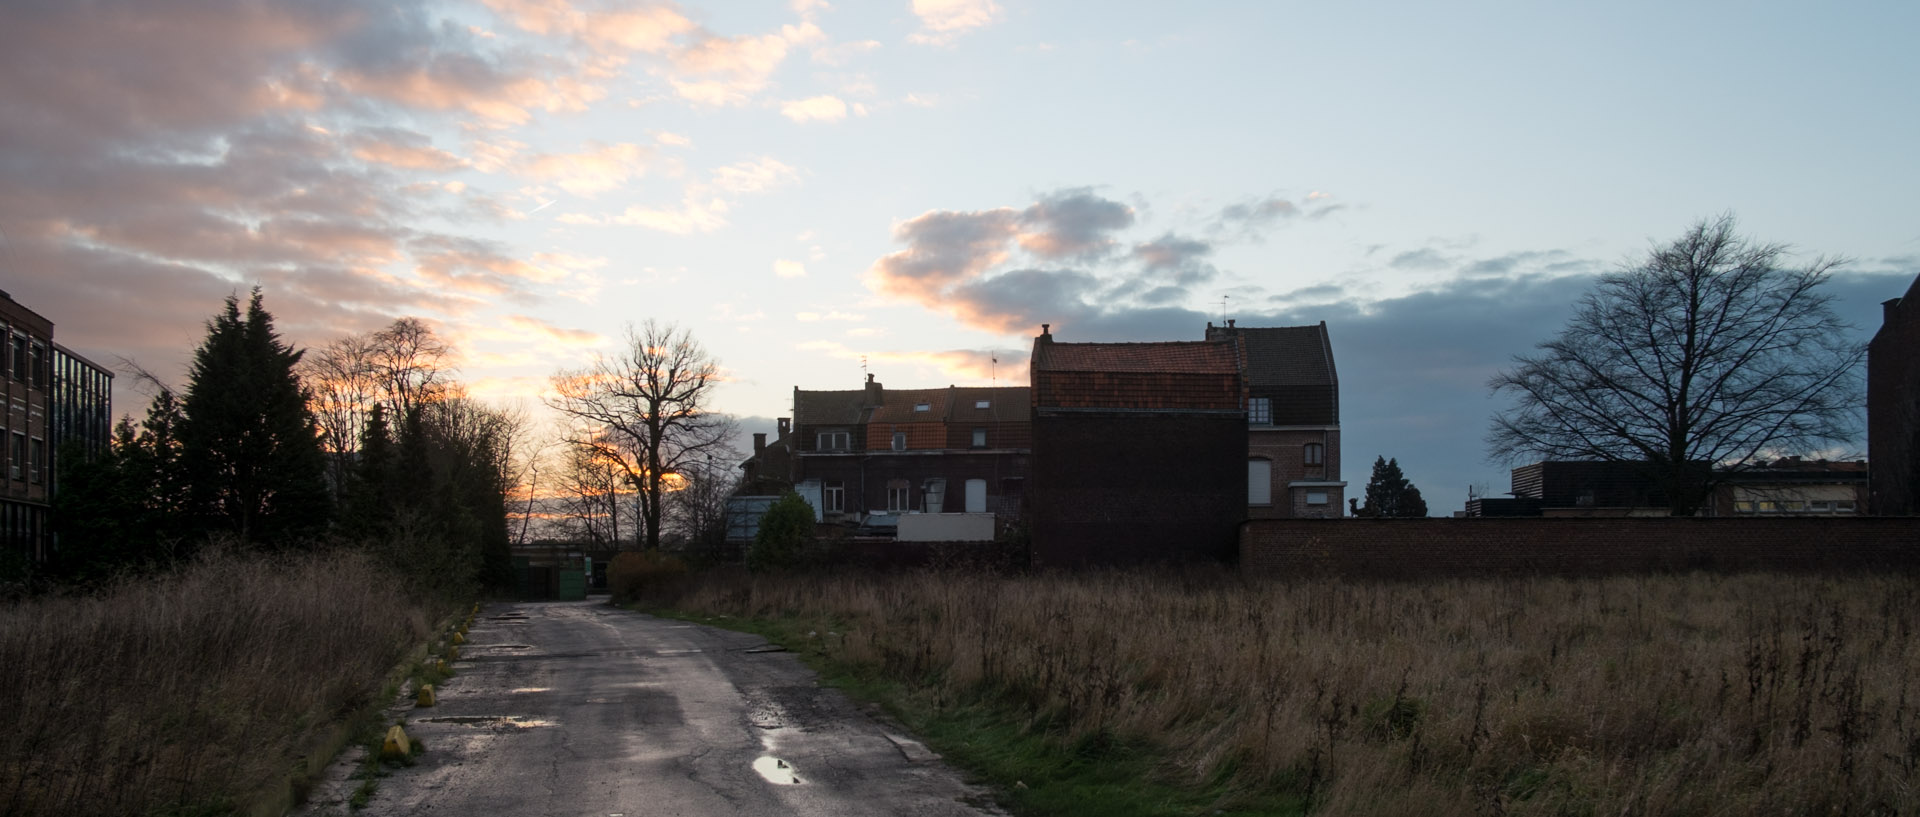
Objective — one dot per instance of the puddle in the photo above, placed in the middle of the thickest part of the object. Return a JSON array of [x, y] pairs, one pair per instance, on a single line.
[[677, 652], [525, 690], [503, 646], [490, 720], [776, 771], [764, 648]]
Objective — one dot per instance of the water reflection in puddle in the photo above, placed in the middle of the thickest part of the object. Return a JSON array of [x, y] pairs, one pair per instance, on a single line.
[[776, 771], [491, 720]]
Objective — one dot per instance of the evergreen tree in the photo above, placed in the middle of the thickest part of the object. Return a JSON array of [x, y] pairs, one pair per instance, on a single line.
[[785, 530], [249, 445], [1390, 495]]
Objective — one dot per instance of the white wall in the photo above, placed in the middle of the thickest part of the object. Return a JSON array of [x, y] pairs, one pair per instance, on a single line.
[[945, 527]]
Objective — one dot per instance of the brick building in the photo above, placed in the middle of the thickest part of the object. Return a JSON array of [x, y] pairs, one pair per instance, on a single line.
[[1893, 408], [52, 395], [1139, 451], [856, 453], [1293, 419]]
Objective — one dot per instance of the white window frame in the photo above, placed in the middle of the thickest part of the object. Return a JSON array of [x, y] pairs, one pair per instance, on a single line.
[[983, 404], [833, 441], [833, 497], [899, 496], [979, 438], [1259, 411], [1313, 454], [899, 440], [923, 407], [1316, 497]]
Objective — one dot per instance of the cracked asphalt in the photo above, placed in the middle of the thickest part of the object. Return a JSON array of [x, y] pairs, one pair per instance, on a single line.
[[579, 708]]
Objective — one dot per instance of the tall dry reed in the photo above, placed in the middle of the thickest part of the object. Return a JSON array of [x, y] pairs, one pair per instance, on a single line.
[[1653, 695], [193, 689]]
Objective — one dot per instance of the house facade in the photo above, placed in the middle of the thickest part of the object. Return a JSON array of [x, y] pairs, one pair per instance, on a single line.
[[1893, 408], [1791, 486], [1293, 420], [876, 452], [1139, 451], [52, 396]]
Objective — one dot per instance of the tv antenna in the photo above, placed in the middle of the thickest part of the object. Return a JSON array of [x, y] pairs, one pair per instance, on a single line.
[[1223, 308]]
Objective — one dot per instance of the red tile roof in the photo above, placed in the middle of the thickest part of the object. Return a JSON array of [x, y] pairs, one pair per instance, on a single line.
[[1186, 357]]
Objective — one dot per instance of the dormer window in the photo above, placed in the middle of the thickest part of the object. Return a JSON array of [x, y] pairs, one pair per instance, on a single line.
[[1259, 411], [923, 407]]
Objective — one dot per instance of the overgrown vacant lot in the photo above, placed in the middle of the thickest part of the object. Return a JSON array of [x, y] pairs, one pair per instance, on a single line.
[[1655, 695], [190, 692]]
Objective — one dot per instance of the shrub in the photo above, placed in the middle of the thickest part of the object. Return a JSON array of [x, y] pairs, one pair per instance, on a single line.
[[785, 530], [635, 572]]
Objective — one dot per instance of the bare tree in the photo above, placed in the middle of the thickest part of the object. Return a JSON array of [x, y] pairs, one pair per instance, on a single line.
[[698, 511], [1692, 362], [588, 501], [410, 362], [646, 409]]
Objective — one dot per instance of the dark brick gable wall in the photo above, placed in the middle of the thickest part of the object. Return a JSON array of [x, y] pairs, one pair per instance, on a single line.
[[1429, 548], [1124, 489], [1893, 409]]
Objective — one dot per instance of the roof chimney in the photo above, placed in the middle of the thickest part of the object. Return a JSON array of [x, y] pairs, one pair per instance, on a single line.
[[1229, 323], [1888, 309], [1046, 330], [874, 390], [781, 427], [759, 442]]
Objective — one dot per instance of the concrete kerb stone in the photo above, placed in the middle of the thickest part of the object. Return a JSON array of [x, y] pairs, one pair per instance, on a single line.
[[396, 746]]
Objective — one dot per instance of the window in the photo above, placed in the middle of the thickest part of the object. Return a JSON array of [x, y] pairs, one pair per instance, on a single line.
[[1259, 482], [833, 441], [1743, 506], [16, 467], [1843, 506], [38, 463], [834, 497], [981, 404], [19, 357], [899, 440], [899, 496], [1314, 454], [923, 407], [979, 438], [1260, 411], [1316, 497], [38, 365]]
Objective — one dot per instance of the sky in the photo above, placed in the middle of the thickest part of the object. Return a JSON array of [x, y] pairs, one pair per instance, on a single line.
[[818, 190]]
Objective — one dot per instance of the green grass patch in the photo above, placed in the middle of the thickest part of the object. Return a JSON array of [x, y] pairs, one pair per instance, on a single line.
[[1035, 771]]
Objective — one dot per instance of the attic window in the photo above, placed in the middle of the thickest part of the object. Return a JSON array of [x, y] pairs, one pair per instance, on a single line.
[[980, 404], [923, 407]]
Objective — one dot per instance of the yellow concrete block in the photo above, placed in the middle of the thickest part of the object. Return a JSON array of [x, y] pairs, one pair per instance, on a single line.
[[440, 665], [453, 653], [425, 696], [396, 746], [459, 639]]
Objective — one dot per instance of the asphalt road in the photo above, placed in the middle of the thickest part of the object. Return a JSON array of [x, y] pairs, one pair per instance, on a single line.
[[578, 708]]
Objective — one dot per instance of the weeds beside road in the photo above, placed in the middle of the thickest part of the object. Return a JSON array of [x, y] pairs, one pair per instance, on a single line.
[[192, 691], [1652, 695]]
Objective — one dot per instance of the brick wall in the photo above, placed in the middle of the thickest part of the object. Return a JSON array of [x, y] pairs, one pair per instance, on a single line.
[[1129, 489], [1422, 548], [1893, 409]]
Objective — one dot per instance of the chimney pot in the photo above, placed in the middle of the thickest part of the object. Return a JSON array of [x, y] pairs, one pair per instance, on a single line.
[[782, 426], [1229, 323], [759, 441], [1046, 329]]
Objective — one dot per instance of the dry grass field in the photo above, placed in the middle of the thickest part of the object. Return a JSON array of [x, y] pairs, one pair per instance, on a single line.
[[191, 692], [1670, 695]]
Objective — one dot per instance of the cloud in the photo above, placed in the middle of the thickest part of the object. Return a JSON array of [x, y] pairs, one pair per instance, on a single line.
[[599, 168], [403, 149], [835, 315], [789, 269], [692, 216], [1073, 224], [980, 366], [477, 267], [646, 29], [941, 21], [754, 175], [531, 328], [719, 71], [842, 53], [821, 108], [944, 249], [1423, 258]]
